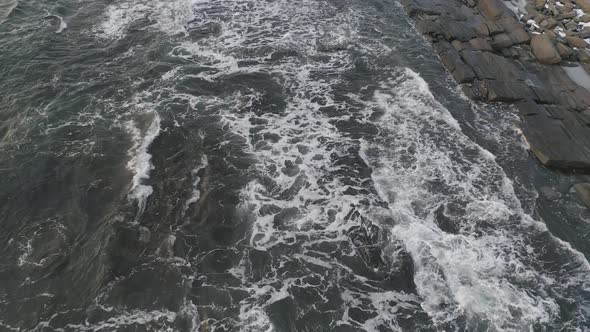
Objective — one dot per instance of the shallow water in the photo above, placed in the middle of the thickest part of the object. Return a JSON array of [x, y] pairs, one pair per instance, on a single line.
[[256, 165]]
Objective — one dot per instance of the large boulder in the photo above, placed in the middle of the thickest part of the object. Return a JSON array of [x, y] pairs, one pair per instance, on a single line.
[[493, 9], [488, 65], [575, 41], [544, 50], [584, 4], [557, 137]]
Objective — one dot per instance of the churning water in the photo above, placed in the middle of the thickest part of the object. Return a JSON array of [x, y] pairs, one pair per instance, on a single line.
[[259, 165]]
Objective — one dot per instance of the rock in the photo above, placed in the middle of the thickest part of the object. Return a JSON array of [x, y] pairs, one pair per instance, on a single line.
[[549, 23], [571, 25], [493, 28], [576, 41], [544, 50], [514, 29], [480, 44], [507, 90], [584, 4], [583, 56], [564, 51], [493, 9], [501, 41], [458, 45], [451, 59], [566, 15], [585, 18], [452, 29], [510, 53], [487, 65], [556, 144], [583, 191], [529, 8]]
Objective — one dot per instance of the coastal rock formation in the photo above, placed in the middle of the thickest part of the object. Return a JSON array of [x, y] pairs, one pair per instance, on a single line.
[[501, 51]]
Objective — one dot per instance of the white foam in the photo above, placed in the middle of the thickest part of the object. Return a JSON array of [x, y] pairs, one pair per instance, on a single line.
[[167, 16], [140, 163], [196, 193], [479, 273], [62, 25]]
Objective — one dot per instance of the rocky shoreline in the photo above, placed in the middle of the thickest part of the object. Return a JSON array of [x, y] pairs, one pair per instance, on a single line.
[[532, 53]]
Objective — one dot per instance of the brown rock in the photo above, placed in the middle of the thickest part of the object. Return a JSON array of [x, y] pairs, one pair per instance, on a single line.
[[458, 45], [576, 41], [514, 29], [564, 51], [566, 15], [585, 18], [480, 44], [583, 56], [493, 9], [549, 23], [539, 18], [583, 191], [584, 4], [544, 50]]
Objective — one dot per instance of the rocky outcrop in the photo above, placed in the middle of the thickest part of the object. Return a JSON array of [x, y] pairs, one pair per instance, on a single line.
[[503, 55]]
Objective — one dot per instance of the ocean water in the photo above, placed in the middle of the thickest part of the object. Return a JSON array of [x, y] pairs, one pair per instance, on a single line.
[[254, 165]]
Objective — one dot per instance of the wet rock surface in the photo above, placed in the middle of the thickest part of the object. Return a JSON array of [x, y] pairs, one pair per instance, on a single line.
[[509, 51]]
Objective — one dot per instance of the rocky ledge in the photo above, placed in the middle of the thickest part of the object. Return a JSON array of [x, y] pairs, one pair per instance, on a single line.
[[535, 56]]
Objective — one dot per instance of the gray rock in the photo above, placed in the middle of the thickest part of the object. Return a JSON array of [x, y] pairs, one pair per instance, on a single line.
[[564, 51], [571, 25], [507, 90], [453, 62], [583, 191], [487, 65], [501, 41], [544, 50], [460, 30], [556, 144], [566, 15]]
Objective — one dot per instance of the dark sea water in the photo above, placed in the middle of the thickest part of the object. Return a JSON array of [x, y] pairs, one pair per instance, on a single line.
[[259, 165]]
